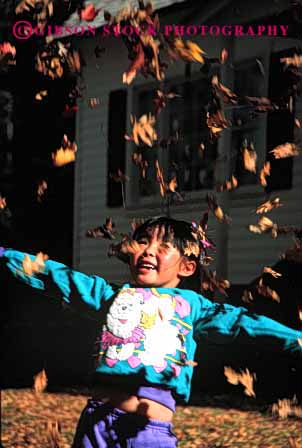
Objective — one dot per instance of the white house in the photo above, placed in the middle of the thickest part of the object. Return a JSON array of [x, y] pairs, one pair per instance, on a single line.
[[251, 70]]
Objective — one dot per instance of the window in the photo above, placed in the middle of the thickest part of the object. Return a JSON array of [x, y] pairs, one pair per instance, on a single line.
[[181, 128]]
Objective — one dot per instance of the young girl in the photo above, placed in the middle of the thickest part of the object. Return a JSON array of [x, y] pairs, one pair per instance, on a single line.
[[149, 329]]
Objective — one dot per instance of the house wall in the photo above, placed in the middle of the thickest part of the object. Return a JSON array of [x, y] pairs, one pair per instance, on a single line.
[[240, 255]]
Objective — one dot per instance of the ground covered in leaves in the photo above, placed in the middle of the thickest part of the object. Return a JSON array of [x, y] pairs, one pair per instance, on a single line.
[[27, 417]]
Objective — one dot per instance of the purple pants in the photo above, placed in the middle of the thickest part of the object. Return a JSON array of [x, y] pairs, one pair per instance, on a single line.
[[102, 426]]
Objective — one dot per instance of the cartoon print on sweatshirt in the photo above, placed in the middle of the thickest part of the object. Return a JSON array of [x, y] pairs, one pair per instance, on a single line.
[[139, 328]]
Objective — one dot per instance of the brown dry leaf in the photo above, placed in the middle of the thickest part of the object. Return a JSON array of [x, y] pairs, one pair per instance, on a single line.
[[187, 50], [269, 206], [40, 95], [160, 179], [300, 312], [293, 443], [227, 95], [264, 173], [298, 123], [286, 408], [93, 102], [40, 382], [227, 185], [66, 153], [53, 431], [141, 163], [192, 249], [295, 60], [266, 291], [143, 131], [217, 210], [249, 157], [247, 296], [285, 150], [269, 270], [210, 282], [223, 55], [37, 265], [244, 377], [42, 187], [217, 123], [264, 225], [2, 202]]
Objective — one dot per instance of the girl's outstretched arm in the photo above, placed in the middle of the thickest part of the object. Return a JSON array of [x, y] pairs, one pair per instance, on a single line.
[[223, 322], [60, 282]]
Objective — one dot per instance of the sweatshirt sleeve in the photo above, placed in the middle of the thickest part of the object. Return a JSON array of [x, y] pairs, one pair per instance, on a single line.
[[221, 323], [60, 282]]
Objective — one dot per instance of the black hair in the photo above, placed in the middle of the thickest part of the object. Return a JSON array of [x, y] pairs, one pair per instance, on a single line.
[[180, 234]]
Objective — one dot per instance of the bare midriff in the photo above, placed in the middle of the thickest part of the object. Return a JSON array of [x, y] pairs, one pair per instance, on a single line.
[[136, 405]]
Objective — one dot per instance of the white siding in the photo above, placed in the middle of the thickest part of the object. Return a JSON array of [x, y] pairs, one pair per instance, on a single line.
[[244, 254]]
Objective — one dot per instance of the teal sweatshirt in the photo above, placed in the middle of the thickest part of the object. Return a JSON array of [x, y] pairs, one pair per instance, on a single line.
[[149, 335]]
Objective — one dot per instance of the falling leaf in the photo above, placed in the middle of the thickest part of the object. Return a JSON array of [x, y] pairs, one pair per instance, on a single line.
[[106, 231], [93, 102], [286, 408], [298, 123], [40, 95], [249, 157], [210, 282], [216, 123], [264, 225], [37, 265], [141, 163], [143, 131], [295, 60], [186, 50], [269, 206], [223, 55], [88, 13], [269, 270], [247, 296], [65, 154], [192, 249], [285, 150], [264, 173], [266, 291], [40, 382], [160, 100], [119, 176], [227, 95], [2, 202], [42, 187], [227, 185], [244, 377], [53, 431], [217, 210]]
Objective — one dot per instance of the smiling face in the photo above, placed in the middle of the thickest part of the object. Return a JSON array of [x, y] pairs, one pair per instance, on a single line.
[[157, 262]]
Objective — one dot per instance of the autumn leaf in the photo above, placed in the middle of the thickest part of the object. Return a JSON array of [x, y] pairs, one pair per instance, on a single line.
[[264, 173], [268, 206], [227, 185], [249, 157], [247, 296], [219, 214], [88, 13], [266, 291], [40, 95], [2, 202], [243, 377], [285, 150], [65, 154], [42, 187], [192, 249], [295, 60], [227, 95], [33, 267], [143, 131], [269, 270], [210, 282], [186, 50], [106, 231], [264, 225], [93, 102], [40, 382], [53, 431], [223, 55]]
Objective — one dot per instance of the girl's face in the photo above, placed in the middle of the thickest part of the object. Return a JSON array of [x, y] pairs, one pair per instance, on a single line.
[[158, 263]]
